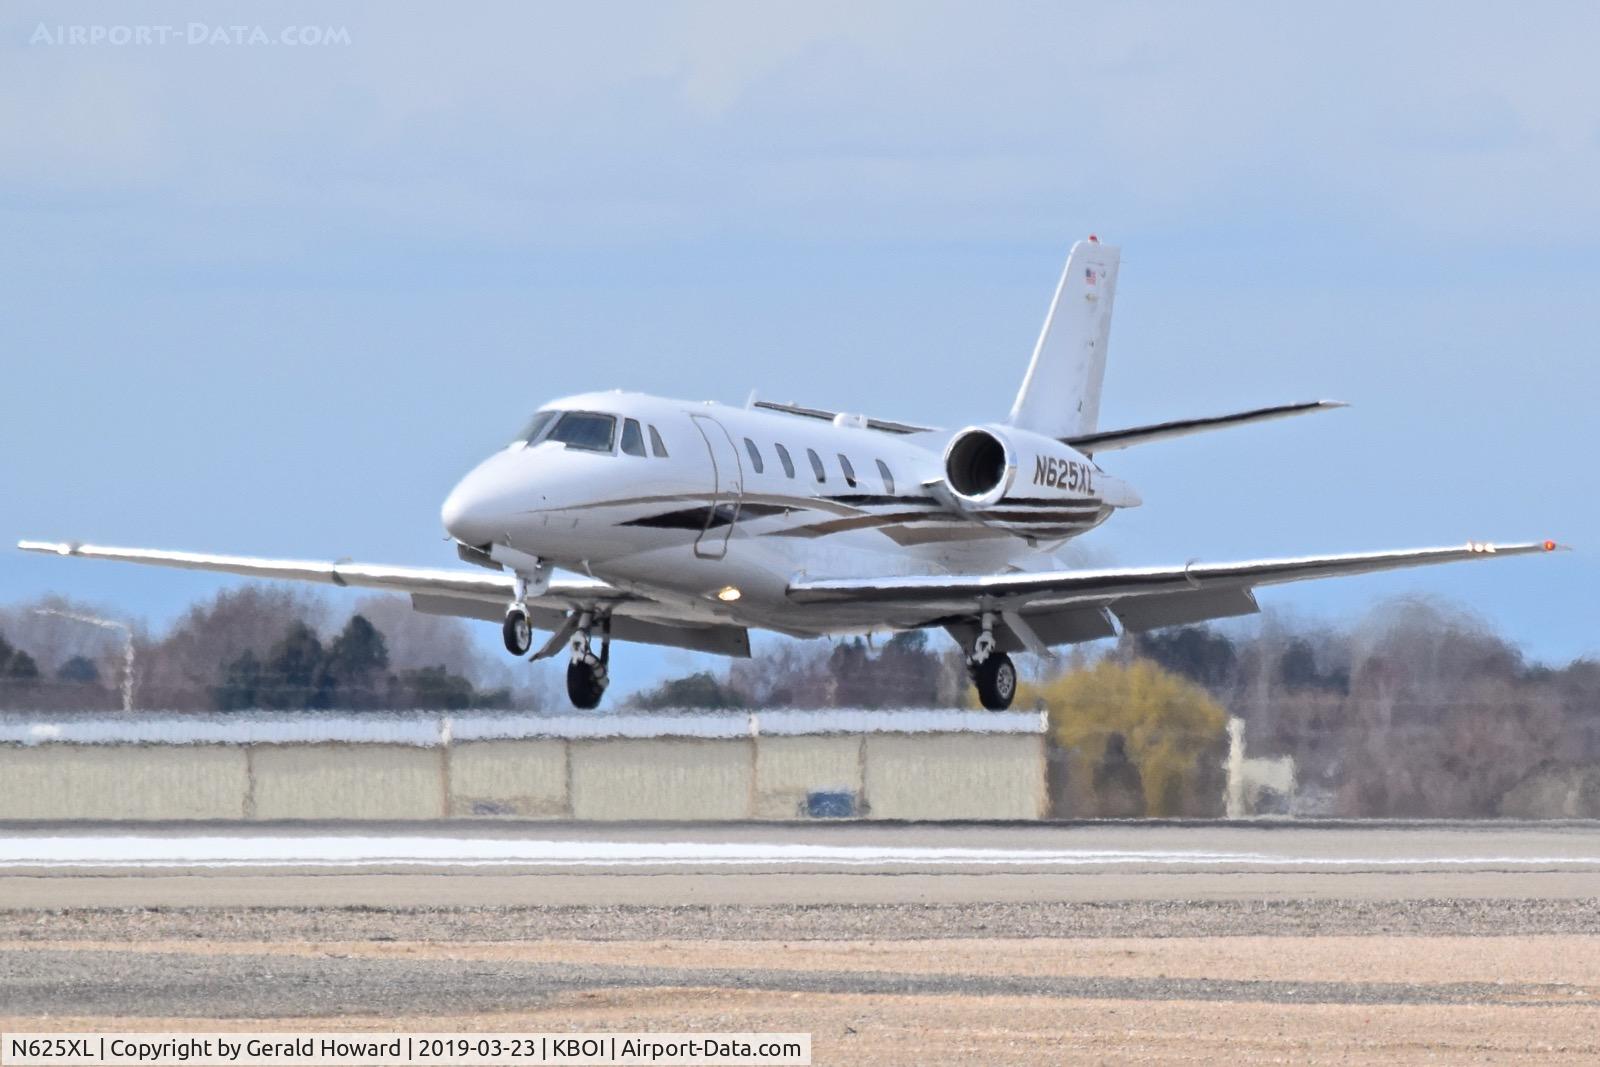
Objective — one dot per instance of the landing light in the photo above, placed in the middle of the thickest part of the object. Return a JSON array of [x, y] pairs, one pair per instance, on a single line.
[[728, 594]]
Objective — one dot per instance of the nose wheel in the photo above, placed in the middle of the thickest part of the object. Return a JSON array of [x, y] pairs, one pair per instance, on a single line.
[[525, 582], [517, 632]]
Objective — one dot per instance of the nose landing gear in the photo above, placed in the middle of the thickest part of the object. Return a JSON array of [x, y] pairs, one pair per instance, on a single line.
[[530, 577], [517, 633], [991, 671]]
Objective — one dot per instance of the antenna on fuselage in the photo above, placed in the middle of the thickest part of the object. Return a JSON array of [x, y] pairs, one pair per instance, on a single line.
[[750, 401]]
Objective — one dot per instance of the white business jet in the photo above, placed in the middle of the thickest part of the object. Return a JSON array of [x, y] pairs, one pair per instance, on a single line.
[[689, 524]]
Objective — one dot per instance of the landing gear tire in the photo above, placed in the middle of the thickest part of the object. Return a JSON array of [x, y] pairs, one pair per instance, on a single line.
[[517, 632], [586, 684], [996, 679]]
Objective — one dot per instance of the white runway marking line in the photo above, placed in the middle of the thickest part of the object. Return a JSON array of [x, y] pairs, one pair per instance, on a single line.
[[422, 851]]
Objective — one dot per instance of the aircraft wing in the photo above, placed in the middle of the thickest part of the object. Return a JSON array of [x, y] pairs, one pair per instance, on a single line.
[[488, 586], [462, 593], [1071, 604]]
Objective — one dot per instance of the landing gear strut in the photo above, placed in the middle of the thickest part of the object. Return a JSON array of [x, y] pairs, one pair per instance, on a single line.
[[586, 672], [517, 631], [992, 671]]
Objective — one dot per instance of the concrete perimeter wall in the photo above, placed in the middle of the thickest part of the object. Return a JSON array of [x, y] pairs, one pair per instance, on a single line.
[[894, 765]]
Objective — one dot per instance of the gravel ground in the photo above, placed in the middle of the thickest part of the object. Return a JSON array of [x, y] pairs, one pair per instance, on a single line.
[[1395, 965], [277, 986], [1370, 998], [1155, 918], [916, 1031]]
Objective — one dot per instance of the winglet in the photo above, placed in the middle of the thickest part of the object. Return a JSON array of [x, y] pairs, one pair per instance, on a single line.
[[1515, 548]]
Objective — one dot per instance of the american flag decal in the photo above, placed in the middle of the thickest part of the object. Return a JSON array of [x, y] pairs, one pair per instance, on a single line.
[[1089, 275]]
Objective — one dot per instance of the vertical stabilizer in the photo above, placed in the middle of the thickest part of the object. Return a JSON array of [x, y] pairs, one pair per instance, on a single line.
[[1060, 396]]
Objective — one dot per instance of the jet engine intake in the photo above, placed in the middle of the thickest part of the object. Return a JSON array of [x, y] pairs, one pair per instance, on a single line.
[[978, 466], [1001, 467]]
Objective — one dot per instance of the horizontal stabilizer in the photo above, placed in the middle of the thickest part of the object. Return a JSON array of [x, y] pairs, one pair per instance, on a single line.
[[1110, 440]]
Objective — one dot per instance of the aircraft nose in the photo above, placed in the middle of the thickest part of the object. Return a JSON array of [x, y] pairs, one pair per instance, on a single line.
[[477, 510], [465, 516]]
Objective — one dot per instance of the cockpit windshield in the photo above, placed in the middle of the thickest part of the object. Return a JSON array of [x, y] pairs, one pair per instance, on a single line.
[[586, 430], [589, 431]]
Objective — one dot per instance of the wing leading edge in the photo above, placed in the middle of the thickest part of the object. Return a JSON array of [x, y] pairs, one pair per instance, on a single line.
[[437, 591], [1142, 596], [393, 579]]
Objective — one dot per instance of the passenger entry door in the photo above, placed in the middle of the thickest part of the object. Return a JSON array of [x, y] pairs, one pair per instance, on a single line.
[[727, 488]]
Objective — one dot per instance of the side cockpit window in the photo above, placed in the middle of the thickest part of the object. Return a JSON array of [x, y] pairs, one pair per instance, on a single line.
[[783, 457], [816, 465], [656, 444], [632, 438], [539, 426], [755, 455], [586, 431]]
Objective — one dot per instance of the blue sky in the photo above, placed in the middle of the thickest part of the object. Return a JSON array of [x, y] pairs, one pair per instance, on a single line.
[[274, 299]]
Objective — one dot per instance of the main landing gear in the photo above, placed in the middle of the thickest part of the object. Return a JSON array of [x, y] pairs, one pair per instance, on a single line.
[[991, 671], [586, 672]]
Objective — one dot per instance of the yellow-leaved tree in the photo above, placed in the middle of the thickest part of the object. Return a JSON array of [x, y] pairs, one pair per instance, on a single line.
[[1137, 739]]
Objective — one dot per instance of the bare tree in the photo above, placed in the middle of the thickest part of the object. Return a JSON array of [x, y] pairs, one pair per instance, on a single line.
[[181, 671]]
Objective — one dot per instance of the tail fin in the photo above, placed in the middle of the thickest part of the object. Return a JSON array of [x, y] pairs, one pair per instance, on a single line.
[[1060, 397]]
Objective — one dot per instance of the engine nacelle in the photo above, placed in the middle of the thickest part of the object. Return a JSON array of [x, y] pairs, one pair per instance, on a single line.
[[995, 466]]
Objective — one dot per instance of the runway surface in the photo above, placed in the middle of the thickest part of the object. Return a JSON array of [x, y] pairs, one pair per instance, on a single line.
[[493, 864], [891, 944], [850, 848]]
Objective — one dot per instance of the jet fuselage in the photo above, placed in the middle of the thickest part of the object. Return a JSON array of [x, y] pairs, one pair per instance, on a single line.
[[746, 500]]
